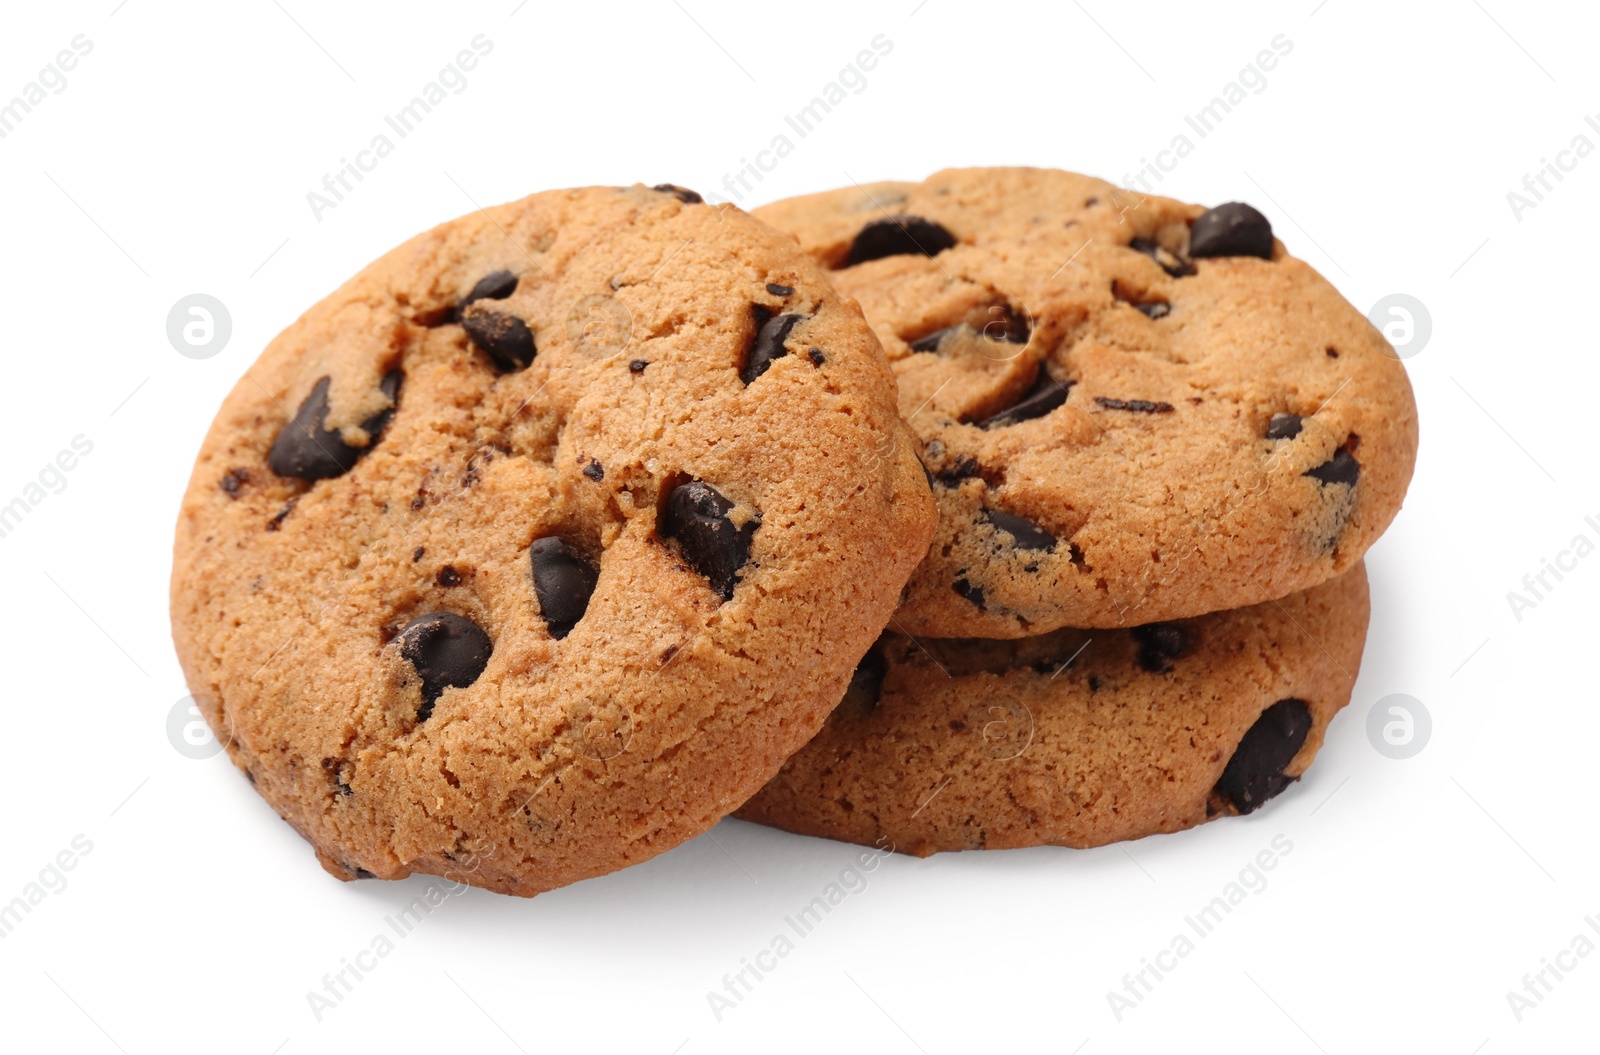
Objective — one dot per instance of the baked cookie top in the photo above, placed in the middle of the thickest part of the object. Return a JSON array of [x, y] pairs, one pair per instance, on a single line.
[[1075, 738], [540, 544], [1136, 410]]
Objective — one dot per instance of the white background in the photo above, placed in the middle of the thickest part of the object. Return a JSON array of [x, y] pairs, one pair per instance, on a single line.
[[1418, 892]]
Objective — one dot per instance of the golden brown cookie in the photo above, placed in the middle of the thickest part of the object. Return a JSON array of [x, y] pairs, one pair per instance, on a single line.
[[542, 542], [1075, 738], [1136, 410]]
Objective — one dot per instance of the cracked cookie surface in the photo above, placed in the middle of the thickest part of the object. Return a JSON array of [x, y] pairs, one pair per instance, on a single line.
[[1076, 738], [1135, 409], [536, 548]]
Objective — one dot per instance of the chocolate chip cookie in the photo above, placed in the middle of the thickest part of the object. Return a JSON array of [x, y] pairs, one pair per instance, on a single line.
[[541, 543], [1076, 738], [1134, 409]]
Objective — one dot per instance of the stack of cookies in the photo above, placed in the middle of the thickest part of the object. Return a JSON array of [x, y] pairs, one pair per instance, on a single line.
[[1004, 509]]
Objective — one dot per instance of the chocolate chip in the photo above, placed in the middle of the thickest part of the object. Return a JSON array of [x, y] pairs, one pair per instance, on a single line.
[[277, 521], [1234, 229], [306, 450], [970, 592], [696, 517], [447, 651], [447, 577], [1046, 395], [931, 342], [816, 356], [964, 466], [866, 684], [1255, 772], [1342, 468], [637, 366], [496, 285], [1159, 645], [926, 474], [504, 338], [1142, 406], [771, 332], [563, 581], [1171, 263], [1025, 534], [232, 480], [1283, 427], [1006, 327], [1155, 309], [683, 194], [779, 291], [594, 471], [897, 235], [362, 873], [416, 554]]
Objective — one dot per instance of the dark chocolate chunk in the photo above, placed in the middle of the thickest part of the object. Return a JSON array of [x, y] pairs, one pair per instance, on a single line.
[[1255, 772], [771, 332], [964, 466], [696, 517], [931, 342], [970, 592], [817, 357], [1234, 229], [1006, 327], [306, 450], [1283, 427], [496, 285], [866, 684], [447, 576], [637, 366], [505, 339], [1171, 263], [1159, 645], [1342, 468], [683, 194], [1025, 534], [594, 471], [779, 291], [447, 651], [1142, 406], [1155, 309], [1046, 395], [281, 515], [897, 235], [563, 581]]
